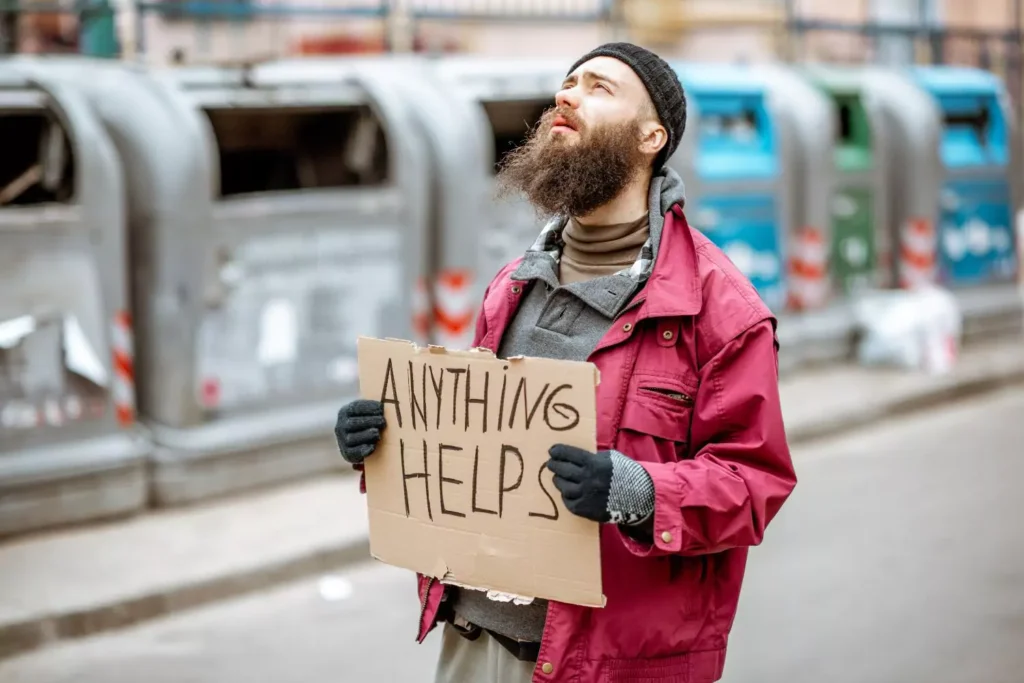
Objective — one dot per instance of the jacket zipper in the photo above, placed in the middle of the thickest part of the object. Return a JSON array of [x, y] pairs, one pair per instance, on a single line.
[[685, 399], [423, 606]]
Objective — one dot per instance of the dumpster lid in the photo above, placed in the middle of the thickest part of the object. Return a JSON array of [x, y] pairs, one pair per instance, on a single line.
[[198, 77], [837, 80], [498, 67], [17, 92], [959, 80], [491, 80], [723, 79], [270, 85], [328, 70]]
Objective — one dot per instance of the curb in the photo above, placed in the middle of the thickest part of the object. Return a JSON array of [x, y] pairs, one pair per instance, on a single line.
[[19, 638], [915, 402], [22, 637]]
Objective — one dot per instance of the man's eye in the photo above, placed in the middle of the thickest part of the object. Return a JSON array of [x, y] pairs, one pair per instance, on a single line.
[[602, 86]]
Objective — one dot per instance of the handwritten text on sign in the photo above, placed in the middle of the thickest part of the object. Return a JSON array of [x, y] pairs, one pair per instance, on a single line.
[[458, 488]]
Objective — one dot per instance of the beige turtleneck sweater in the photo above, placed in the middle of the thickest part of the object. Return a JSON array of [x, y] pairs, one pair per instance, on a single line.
[[596, 250]]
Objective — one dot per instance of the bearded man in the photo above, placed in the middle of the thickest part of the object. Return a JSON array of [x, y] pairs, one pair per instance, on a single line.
[[693, 462]]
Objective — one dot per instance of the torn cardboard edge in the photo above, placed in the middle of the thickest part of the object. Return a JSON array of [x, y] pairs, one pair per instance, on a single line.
[[510, 597], [442, 574]]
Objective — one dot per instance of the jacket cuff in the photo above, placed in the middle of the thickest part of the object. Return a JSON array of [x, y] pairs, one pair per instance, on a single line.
[[668, 516]]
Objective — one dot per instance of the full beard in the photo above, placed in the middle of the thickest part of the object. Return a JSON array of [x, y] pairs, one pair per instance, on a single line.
[[564, 176]]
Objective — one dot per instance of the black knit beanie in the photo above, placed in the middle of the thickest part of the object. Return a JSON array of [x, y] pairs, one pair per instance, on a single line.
[[661, 82]]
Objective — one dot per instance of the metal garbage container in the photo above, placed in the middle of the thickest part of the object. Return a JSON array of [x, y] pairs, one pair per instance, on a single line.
[[909, 159], [317, 215], [861, 245], [976, 241], [888, 161], [977, 254], [733, 163], [938, 191], [817, 325], [807, 122], [70, 449], [508, 99], [927, 167]]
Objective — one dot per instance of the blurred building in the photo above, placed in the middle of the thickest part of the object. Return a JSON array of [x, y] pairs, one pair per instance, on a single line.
[[206, 31]]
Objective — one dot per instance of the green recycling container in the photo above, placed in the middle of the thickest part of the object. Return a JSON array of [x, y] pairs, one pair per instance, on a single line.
[[861, 247]]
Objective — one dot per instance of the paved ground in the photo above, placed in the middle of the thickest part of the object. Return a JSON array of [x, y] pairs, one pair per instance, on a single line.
[[86, 580], [899, 559]]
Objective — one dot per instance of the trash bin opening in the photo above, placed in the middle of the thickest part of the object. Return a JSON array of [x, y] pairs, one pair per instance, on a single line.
[[970, 125], [36, 165], [852, 128], [735, 136], [287, 149], [731, 128], [853, 138], [511, 122]]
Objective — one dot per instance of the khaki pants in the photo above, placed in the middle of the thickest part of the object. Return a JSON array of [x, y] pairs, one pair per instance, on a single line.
[[483, 660]]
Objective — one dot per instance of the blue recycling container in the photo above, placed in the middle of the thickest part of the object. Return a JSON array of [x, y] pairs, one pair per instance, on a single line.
[[976, 214], [731, 161]]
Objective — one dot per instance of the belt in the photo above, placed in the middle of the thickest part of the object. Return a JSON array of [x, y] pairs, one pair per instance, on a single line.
[[521, 650]]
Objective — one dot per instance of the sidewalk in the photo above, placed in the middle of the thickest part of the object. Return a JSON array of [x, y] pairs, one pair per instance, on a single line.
[[82, 581]]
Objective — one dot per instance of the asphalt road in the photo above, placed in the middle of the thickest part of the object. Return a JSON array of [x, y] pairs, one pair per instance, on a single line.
[[899, 559]]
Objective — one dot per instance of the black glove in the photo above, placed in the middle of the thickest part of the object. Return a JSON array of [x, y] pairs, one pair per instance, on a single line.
[[606, 486], [358, 429]]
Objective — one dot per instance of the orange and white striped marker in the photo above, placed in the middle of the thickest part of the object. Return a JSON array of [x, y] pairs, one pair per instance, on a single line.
[[918, 253], [123, 387], [454, 309], [808, 270]]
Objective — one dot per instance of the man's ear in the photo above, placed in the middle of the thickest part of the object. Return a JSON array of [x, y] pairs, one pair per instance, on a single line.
[[653, 137]]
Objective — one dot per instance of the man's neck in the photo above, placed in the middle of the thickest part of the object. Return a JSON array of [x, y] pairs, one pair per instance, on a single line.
[[629, 206]]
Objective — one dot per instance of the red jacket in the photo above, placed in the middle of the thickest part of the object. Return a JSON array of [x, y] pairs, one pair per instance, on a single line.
[[716, 451]]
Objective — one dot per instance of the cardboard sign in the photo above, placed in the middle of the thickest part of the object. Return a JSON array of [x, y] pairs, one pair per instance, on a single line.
[[458, 487]]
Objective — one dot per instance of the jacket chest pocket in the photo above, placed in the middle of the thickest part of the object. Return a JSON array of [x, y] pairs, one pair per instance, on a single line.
[[656, 417]]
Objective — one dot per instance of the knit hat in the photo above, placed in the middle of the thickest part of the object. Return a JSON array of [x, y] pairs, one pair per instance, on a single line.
[[661, 82]]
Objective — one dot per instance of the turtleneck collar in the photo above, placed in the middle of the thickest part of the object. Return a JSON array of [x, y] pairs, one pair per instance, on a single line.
[[595, 250]]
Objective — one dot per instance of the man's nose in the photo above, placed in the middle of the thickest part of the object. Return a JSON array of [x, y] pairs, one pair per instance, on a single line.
[[567, 97]]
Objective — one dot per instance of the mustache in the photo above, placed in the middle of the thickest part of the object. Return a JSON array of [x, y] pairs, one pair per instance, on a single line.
[[570, 116]]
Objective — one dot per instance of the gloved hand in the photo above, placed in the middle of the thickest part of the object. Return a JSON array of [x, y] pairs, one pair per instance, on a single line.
[[606, 486], [358, 429]]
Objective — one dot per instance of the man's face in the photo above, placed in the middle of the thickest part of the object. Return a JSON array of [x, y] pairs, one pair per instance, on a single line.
[[600, 94], [598, 137]]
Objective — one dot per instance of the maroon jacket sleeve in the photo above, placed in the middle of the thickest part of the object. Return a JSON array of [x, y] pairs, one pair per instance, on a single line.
[[742, 473]]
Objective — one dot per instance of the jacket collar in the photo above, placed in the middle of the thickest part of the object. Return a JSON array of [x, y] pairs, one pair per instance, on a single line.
[[674, 287]]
